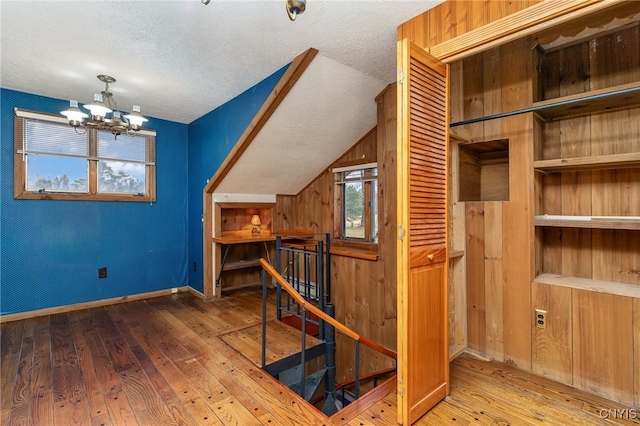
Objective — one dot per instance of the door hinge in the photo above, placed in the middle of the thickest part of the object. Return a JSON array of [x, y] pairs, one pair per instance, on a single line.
[[401, 232], [402, 389], [401, 76]]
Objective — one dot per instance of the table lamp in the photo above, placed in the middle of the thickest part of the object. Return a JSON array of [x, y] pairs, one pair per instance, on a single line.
[[255, 221]]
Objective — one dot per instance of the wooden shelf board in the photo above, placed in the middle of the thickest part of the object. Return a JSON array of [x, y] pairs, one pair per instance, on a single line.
[[355, 253], [241, 264], [575, 105], [242, 239], [244, 285], [615, 161], [592, 222], [455, 254], [609, 287]]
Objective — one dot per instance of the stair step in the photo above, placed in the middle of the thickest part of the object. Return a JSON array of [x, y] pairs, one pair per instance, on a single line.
[[296, 322], [311, 384], [291, 361]]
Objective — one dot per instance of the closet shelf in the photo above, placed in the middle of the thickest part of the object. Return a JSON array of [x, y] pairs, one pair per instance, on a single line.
[[613, 98], [609, 287], [453, 254], [241, 264], [593, 222], [599, 162], [610, 99]]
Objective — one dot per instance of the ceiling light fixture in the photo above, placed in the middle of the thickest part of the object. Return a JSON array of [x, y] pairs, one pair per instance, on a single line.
[[295, 8], [98, 110]]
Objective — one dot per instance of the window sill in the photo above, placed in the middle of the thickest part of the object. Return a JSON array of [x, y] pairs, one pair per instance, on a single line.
[[32, 195], [355, 250]]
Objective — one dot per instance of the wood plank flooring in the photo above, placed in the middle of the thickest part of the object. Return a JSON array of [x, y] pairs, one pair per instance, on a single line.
[[161, 361]]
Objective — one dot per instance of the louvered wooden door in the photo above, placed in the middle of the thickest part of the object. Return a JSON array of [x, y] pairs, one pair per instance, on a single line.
[[423, 361]]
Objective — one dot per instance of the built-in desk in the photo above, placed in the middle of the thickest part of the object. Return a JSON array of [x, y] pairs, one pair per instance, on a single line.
[[247, 259]]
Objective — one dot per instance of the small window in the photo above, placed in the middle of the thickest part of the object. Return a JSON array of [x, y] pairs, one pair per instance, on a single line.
[[53, 161], [356, 203]]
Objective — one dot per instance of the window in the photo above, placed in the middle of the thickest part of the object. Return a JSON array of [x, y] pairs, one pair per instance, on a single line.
[[356, 203], [52, 161]]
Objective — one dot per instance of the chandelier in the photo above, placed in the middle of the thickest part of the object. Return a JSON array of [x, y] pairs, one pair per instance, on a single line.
[[103, 104], [295, 8]]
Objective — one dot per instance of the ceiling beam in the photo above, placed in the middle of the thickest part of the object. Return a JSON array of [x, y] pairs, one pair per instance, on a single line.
[[286, 83]]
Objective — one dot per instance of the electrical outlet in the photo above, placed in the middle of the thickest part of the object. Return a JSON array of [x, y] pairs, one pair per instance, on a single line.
[[102, 272], [541, 318]]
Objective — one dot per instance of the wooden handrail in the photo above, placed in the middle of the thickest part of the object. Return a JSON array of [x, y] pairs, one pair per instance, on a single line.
[[352, 381], [366, 377], [323, 316]]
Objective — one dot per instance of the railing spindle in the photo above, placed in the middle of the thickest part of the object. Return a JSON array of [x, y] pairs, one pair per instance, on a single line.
[[264, 318], [357, 369], [307, 274], [281, 272], [320, 285], [303, 351]]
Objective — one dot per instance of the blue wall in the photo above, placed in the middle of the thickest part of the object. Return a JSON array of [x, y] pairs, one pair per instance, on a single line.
[[211, 138], [50, 251]]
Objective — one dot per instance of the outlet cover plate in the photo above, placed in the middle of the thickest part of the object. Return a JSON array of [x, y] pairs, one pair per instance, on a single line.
[[541, 318], [102, 272]]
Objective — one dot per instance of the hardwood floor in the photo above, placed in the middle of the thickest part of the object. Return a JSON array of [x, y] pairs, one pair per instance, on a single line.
[[161, 361]]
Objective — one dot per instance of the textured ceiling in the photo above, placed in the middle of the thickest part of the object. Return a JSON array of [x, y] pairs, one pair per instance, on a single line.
[[181, 59], [320, 119]]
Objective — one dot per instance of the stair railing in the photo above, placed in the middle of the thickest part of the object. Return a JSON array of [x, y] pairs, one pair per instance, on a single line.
[[308, 307], [303, 261], [375, 376]]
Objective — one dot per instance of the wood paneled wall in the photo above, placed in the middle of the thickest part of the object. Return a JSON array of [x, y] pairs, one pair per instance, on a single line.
[[503, 250], [454, 18], [482, 93], [363, 291], [590, 342], [499, 234], [500, 257]]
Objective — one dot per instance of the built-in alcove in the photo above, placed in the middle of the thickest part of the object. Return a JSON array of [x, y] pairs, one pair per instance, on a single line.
[[606, 61], [242, 235], [484, 171]]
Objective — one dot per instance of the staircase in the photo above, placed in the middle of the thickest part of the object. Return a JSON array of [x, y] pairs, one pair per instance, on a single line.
[[302, 271]]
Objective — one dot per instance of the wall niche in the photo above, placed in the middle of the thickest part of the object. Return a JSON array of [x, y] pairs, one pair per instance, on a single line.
[[484, 171]]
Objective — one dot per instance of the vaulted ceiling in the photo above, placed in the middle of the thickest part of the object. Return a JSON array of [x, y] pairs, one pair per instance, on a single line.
[[179, 60]]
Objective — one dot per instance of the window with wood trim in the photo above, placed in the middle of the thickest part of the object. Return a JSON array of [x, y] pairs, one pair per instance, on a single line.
[[356, 203], [53, 161]]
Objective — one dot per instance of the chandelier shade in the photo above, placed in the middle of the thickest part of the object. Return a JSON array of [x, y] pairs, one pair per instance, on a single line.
[[73, 114], [102, 105]]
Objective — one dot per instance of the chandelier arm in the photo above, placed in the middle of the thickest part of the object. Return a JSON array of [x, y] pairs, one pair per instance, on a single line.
[[76, 129]]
